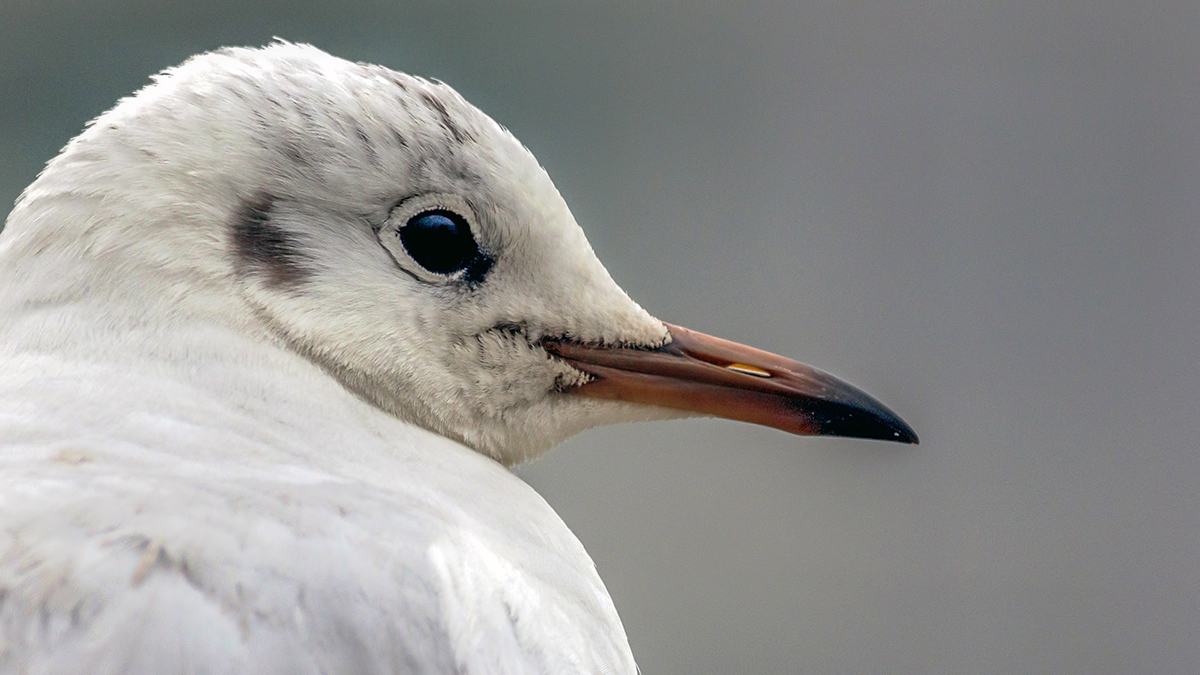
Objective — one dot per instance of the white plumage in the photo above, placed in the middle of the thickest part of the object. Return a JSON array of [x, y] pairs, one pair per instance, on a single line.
[[245, 430], [184, 491]]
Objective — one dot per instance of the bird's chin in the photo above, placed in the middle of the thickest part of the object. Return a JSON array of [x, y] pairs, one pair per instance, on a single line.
[[563, 415]]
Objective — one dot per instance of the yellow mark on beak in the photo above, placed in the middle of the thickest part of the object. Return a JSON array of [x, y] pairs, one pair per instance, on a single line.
[[748, 370]]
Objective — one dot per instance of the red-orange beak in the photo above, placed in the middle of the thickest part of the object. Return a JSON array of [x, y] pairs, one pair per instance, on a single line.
[[708, 375]]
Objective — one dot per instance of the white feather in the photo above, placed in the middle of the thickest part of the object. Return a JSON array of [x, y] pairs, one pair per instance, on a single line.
[[212, 465]]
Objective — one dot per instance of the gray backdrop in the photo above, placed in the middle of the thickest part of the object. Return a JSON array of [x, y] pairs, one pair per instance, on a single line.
[[986, 214]]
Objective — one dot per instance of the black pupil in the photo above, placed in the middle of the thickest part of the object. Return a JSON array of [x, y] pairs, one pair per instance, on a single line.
[[440, 241]]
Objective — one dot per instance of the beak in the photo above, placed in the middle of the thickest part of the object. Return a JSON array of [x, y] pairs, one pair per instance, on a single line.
[[711, 376]]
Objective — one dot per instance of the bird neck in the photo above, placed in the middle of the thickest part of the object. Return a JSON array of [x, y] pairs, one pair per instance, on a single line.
[[136, 304]]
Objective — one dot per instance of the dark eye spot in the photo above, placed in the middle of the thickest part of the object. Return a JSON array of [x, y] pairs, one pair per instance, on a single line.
[[440, 241]]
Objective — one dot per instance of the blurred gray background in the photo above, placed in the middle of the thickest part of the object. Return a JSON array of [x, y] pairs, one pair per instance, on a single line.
[[986, 214]]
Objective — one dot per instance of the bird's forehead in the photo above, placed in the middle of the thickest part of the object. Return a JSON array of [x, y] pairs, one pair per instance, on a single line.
[[444, 144]]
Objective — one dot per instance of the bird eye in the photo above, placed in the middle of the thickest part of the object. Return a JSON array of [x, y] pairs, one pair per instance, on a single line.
[[440, 241]]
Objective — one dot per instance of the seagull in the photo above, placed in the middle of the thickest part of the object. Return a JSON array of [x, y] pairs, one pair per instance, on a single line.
[[272, 332]]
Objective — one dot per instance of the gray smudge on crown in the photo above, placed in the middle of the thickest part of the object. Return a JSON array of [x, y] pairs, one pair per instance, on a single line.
[[448, 123]]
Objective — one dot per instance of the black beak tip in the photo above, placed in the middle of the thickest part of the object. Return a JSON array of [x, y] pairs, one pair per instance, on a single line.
[[873, 423], [894, 430], [905, 434]]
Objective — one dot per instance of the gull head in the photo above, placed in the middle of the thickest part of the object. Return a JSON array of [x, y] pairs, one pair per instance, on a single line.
[[385, 229]]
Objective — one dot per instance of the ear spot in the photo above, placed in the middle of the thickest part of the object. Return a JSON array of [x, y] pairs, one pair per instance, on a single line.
[[433, 238], [264, 249]]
